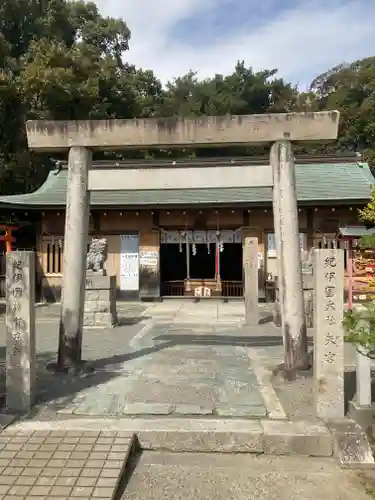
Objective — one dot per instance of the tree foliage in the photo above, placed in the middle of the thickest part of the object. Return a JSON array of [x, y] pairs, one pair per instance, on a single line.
[[367, 214], [62, 59], [359, 327]]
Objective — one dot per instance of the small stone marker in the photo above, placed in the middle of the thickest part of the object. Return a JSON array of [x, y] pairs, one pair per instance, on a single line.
[[363, 369], [329, 334], [20, 331], [250, 268], [363, 378]]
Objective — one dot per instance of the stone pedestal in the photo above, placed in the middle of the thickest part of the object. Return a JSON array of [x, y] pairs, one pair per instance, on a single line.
[[329, 333], [20, 332], [100, 301]]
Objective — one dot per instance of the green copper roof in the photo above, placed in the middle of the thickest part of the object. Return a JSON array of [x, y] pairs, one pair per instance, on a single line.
[[322, 182], [356, 231]]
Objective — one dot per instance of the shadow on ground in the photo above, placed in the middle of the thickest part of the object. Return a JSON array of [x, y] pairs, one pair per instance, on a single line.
[[134, 320], [59, 390]]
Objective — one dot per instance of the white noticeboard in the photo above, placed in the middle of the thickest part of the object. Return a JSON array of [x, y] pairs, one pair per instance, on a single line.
[[129, 262]]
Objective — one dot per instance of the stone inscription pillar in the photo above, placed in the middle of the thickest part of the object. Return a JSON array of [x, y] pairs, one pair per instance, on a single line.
[[75, 253], [250, 268], [328, 333], [20, 331], [293, 321]]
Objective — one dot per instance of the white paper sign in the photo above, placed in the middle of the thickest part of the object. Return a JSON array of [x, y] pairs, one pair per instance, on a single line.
[[271, 246]]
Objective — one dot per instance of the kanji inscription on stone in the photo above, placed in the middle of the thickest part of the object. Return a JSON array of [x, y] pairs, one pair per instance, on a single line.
[[328, 334], [20, 331]]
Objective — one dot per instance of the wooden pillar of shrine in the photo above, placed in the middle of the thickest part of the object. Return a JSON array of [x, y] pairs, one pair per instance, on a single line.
[[8, 237]]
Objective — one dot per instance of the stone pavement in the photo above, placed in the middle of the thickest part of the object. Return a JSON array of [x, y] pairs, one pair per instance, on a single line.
[[189, 359], [177, 358], [60, 465], [179, 369]]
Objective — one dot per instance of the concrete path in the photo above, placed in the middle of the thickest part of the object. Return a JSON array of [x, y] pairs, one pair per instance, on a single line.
[[174, 476]]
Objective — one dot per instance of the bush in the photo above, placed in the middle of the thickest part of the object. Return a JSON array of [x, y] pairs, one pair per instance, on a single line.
[[359, 328]]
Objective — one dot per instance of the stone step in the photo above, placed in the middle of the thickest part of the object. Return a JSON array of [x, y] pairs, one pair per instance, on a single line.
[[208, 435], [65, 463], [341, 439]]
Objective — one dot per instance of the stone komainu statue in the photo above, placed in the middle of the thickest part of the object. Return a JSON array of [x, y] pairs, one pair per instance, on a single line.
[[97, 255]]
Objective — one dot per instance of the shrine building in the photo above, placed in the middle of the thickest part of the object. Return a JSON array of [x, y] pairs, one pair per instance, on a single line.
[[177, 229]]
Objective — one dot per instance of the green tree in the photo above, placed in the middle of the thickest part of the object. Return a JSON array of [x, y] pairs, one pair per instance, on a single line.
[[350, 88], [62, 60]]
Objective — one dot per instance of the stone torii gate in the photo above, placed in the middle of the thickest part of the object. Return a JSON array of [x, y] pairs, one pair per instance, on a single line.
[[80, 138]]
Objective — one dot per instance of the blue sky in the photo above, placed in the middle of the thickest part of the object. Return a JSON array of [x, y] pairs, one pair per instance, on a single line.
[[301, 38]]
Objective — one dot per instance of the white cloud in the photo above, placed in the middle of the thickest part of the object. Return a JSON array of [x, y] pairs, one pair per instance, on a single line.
[[301, 42]]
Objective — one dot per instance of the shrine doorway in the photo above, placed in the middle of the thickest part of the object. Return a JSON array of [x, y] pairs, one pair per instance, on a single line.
[[172, 269], [202, 261], [231, 270], [231, 262]]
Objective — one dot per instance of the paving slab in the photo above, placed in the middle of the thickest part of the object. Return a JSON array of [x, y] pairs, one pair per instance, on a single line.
[[67, 464]]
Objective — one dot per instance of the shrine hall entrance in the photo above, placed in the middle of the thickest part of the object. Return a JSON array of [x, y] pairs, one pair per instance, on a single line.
[[201, 264]]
